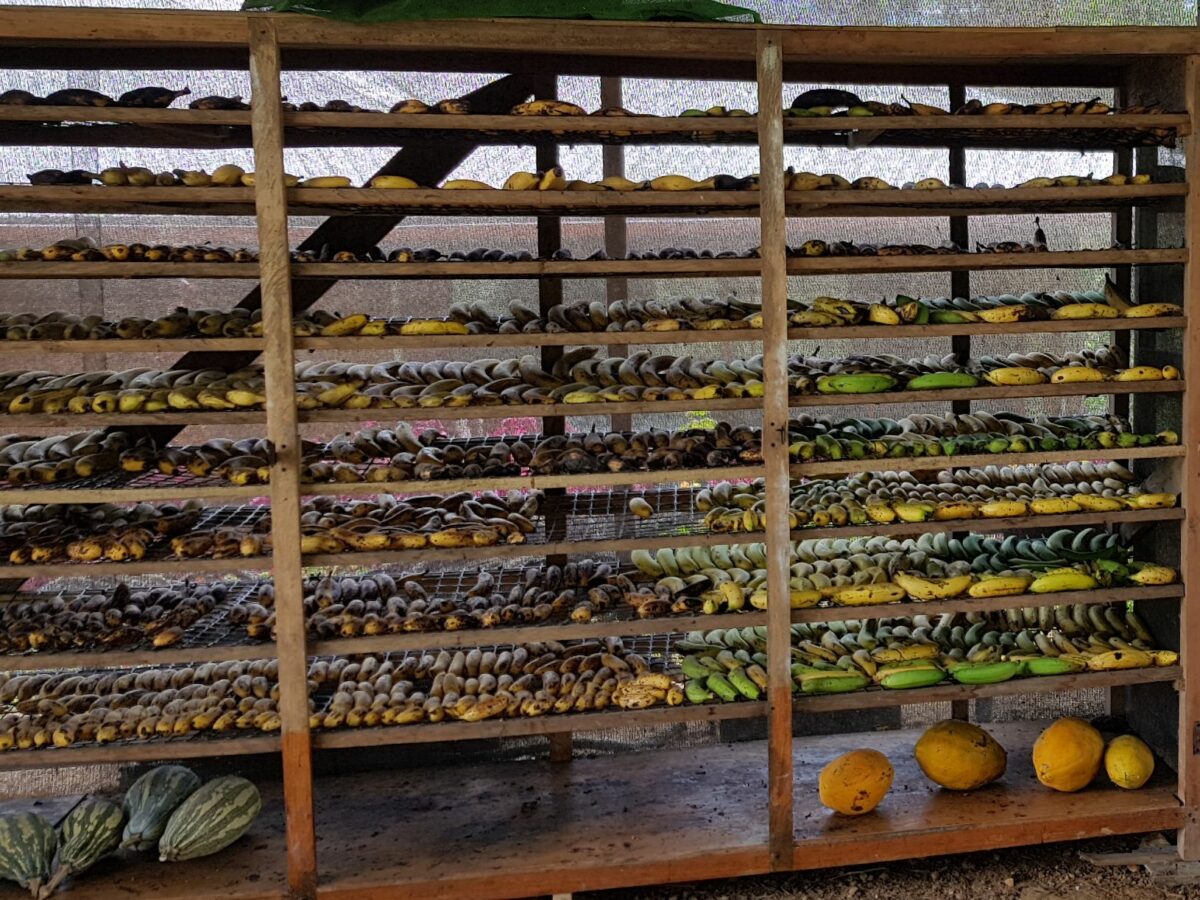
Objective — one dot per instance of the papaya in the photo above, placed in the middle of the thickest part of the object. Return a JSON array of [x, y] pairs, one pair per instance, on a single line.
[[1068, 755], [1128, 762], [960, 756], [855, 782]]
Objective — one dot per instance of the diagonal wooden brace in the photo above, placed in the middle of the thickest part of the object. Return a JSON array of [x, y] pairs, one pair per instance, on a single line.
[[424, 163]]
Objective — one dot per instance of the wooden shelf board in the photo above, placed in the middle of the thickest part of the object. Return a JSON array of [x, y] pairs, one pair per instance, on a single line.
[[985, 604], [735, 267], [524, 727], [434, 201], [528, 482], [950, 691], [138, 751], [178, 567], [969, 460], [99, 659], [66, 493], [991, 526], [35, 269], [385, 643], [450, 414], [104, 420], [562, 808], [367, 344], [982, 262], [991, 392]]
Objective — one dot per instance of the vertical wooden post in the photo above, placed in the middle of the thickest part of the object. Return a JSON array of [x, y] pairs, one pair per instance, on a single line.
[[616, 233], [278, 356], [773, 243], [960, 286], [1189, 618]]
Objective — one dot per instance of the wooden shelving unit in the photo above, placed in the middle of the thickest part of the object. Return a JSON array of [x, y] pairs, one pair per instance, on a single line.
[[766, 789]]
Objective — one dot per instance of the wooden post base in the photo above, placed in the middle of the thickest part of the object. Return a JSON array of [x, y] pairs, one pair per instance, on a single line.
[[561, 747]]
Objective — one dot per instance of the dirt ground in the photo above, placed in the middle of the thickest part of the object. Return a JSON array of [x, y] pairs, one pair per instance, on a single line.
[[1050, 872]]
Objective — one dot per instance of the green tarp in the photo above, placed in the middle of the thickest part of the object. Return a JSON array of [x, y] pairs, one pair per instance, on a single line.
[[400, 10]]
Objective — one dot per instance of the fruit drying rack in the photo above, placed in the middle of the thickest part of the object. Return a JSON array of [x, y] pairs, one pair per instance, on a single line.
[[770, 819]]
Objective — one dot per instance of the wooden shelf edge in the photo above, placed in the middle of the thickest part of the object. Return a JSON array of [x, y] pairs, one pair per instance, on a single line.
[[522, 727], [985, 604], [144, 751], [951, 691], [969, 460], [114, 659]]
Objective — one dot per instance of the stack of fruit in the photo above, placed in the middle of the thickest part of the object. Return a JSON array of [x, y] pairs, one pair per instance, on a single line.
[[877, 570], [915, 652], [886, 497]]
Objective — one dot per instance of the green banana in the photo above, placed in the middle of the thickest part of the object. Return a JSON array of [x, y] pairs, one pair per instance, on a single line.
[[719, 685], [835, 682], [741, 681], [696, 692], [861, 383], [985, 673], [693, 668], [1051, 665], [937, 380], [903, 677]]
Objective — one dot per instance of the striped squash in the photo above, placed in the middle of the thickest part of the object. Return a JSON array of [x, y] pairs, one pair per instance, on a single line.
[[90, 832], [210, 819], [150, 801], [27, 843]]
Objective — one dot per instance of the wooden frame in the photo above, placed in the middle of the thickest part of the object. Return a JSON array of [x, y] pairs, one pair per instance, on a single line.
[[770, 56]]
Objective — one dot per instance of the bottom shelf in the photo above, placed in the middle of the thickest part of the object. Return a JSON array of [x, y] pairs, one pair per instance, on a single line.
[[536, 828]]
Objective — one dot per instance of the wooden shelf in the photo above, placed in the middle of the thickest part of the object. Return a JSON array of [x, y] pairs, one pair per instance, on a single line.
[[735, 267], [189, 128], [125, 659], [561, 807], [966, 604], [951, 691], [432, 201], [191, 747], [369, 344], [971, 460]]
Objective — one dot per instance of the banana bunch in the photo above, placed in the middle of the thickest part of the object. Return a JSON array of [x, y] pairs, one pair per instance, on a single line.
[[577, 377], [473, 685], [671, 314], [131, 390], [65, 457], [818, 247], [484, 254], [327, 106], [94, 619], [227, 175], [885, 497], [554, 179], [861, 374], [1034, 306], [86, 250], [724, 665], [349, 606], [441, 107], [1093, 107], [68, 708], [43, 533], [137, 98], [920, 434], [382, 522]]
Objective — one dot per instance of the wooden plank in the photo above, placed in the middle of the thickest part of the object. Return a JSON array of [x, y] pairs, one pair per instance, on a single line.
[[612, 339], [114, 270], [178, 418], [214, 491], [949, 692], [385, 643], [1189, 618], [935, 463], [232, 201], [983, 262], [179, 567], [540, 725], [552, 851], [287, 569], [99, 659], [985, 604], [775, 414], [138, 751]]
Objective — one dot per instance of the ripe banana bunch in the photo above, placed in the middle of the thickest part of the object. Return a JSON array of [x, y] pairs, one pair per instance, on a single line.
[[65, 709], [129, 391], [671, 314], [349, 606], [120, 617], [885, 497], [473, 685], [85, 250], [921, 434], [724, 665], [56, 532], [65, 457], [1011, 308], [817, 247]]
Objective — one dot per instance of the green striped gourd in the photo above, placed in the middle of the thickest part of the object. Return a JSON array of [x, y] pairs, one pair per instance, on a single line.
[[90, 832], [150, 801], [27, 843], [210, 819]]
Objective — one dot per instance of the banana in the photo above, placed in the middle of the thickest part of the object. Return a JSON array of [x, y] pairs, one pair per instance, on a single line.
[[1149, 310], [326, 181], [933, 381], [1063, 580], [1076, 374], [1084, 311], [1011, 375], [1152, 573], [863, 383], [1139, 373], [920, 588], [394, 182], [1000, 586], [985, 672], [869, 594]]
